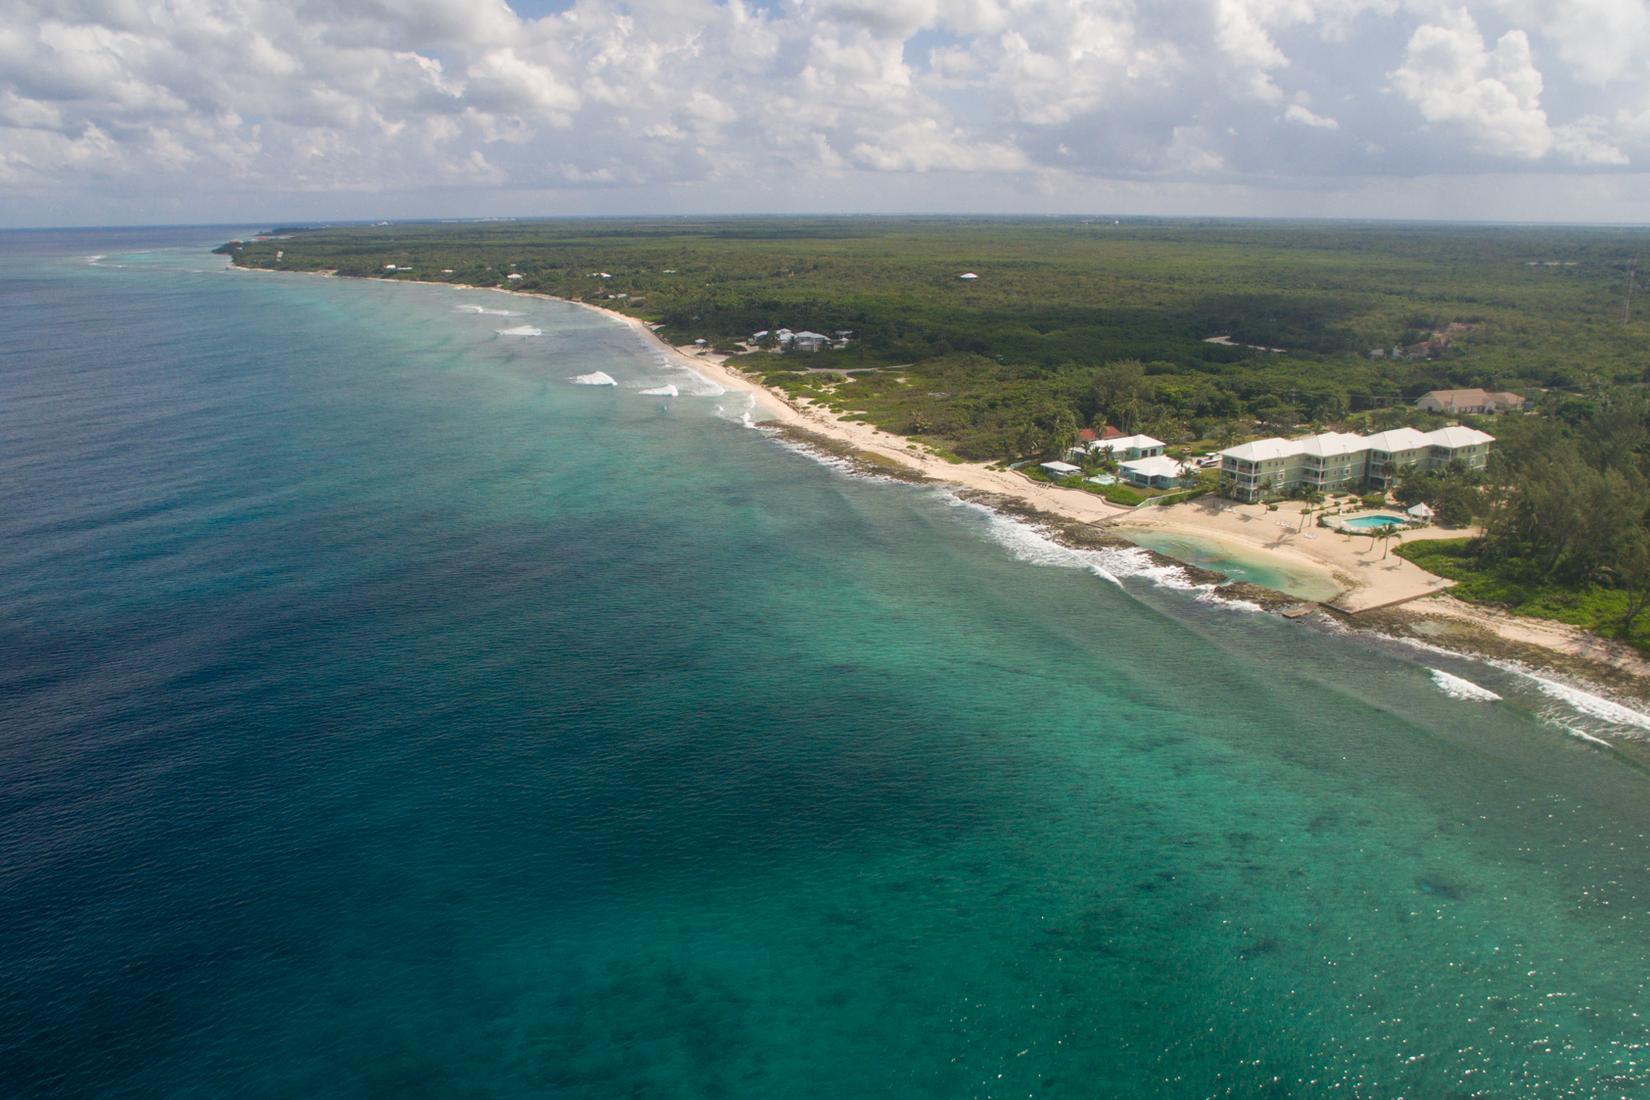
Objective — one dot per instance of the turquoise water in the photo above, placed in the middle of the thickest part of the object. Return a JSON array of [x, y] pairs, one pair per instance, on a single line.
[[1307, 584], [1370, 523], [388, 716]]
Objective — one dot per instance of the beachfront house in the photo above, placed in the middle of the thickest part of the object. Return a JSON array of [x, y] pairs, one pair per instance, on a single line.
[[1059, 471], [1156, 472], [1336, 462], [1456, 402], [1126, 447], [809, 341]]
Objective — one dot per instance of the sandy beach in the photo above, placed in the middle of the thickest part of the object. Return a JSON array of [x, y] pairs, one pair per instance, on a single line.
[[1364, 575]]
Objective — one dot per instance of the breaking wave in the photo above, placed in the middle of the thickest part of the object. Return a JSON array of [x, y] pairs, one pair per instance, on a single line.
[[1457, 688], [483, 311], [667, 390], [594, 378], [1580, 712], [520, 330]]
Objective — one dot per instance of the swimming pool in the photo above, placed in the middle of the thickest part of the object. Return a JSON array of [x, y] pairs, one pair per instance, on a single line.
[[1373, 523]]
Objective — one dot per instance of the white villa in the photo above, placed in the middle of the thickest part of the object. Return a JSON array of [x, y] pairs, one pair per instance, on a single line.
[[1339, 461], [1126, 447], [1157, 472]]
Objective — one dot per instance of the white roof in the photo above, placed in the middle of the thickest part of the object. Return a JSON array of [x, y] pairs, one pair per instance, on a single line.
[[1262, 449], [968, 275], [1458, 436], [1331, 444], [1398, 439], [806, 335], [1126, 443], [1155, 466], [1421, 511], [1062, 468]]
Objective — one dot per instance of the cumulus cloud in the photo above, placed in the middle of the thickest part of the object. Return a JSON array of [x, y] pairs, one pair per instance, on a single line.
[[115, 100]]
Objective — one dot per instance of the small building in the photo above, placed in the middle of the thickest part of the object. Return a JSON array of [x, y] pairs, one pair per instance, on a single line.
[[1087, 436], [1059, 471], [1455, 402], [1157, 472], [1420, 512], [514, 276], [809, 341], [968, 275]]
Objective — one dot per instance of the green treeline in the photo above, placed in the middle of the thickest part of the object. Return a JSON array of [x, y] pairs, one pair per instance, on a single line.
[[987, 366], [1565, 510]]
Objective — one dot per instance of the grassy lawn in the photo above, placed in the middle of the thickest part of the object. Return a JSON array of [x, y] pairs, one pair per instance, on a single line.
[[1525, 592]]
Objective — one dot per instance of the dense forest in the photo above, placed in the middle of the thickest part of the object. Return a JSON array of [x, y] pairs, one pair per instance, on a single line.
[[1565, 514], [1062, 309]]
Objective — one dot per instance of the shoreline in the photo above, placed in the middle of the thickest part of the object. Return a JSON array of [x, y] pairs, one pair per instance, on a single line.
[[1379, 594]]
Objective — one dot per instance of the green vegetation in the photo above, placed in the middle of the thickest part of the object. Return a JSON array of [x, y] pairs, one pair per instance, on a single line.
[[1566, 514], [1526, 592], [1072, 323], [1075, 323]]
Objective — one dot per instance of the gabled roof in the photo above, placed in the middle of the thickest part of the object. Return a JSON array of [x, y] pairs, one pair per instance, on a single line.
[[1331, 444], [1088, 435], [1127, 443], [1261, 450], [1397, 439], [1457, 435]]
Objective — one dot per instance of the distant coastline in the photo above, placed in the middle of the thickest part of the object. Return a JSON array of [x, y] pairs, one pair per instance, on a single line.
[[1393, 598]]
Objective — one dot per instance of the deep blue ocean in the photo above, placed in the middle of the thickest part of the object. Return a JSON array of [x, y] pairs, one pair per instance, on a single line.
[[383, 715]]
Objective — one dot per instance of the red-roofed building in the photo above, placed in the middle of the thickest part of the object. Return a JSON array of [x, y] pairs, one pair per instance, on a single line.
[[1111, 433], [1087, 435]]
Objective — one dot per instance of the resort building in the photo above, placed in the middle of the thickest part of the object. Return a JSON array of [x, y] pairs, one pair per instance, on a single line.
[[1059, 471], [1338, 462], [1455, 402]]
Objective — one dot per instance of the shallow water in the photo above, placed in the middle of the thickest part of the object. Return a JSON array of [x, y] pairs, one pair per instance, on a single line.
[[388, 715], [1307, 584]]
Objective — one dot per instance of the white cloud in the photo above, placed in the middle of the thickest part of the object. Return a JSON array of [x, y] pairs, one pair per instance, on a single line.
[[1493, 96], [1300, 113], [132, 101]]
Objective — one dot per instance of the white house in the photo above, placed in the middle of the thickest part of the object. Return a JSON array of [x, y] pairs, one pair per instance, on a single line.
[[1156, 472], [1059, 471], [1128, 447], [513, 276], [969, 275], [809, 341]]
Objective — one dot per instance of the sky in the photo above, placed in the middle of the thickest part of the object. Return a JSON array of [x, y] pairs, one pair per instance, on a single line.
[[191, 111]]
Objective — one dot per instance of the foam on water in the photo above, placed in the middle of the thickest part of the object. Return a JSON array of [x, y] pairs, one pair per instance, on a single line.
[[520, 330], [704, 387], [1457, 688], [1030, 545], [667, 390], [485, 312], [594, 378], [1582, 706]]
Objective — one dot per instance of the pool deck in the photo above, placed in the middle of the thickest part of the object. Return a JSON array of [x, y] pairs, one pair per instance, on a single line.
[[1365, 570]]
